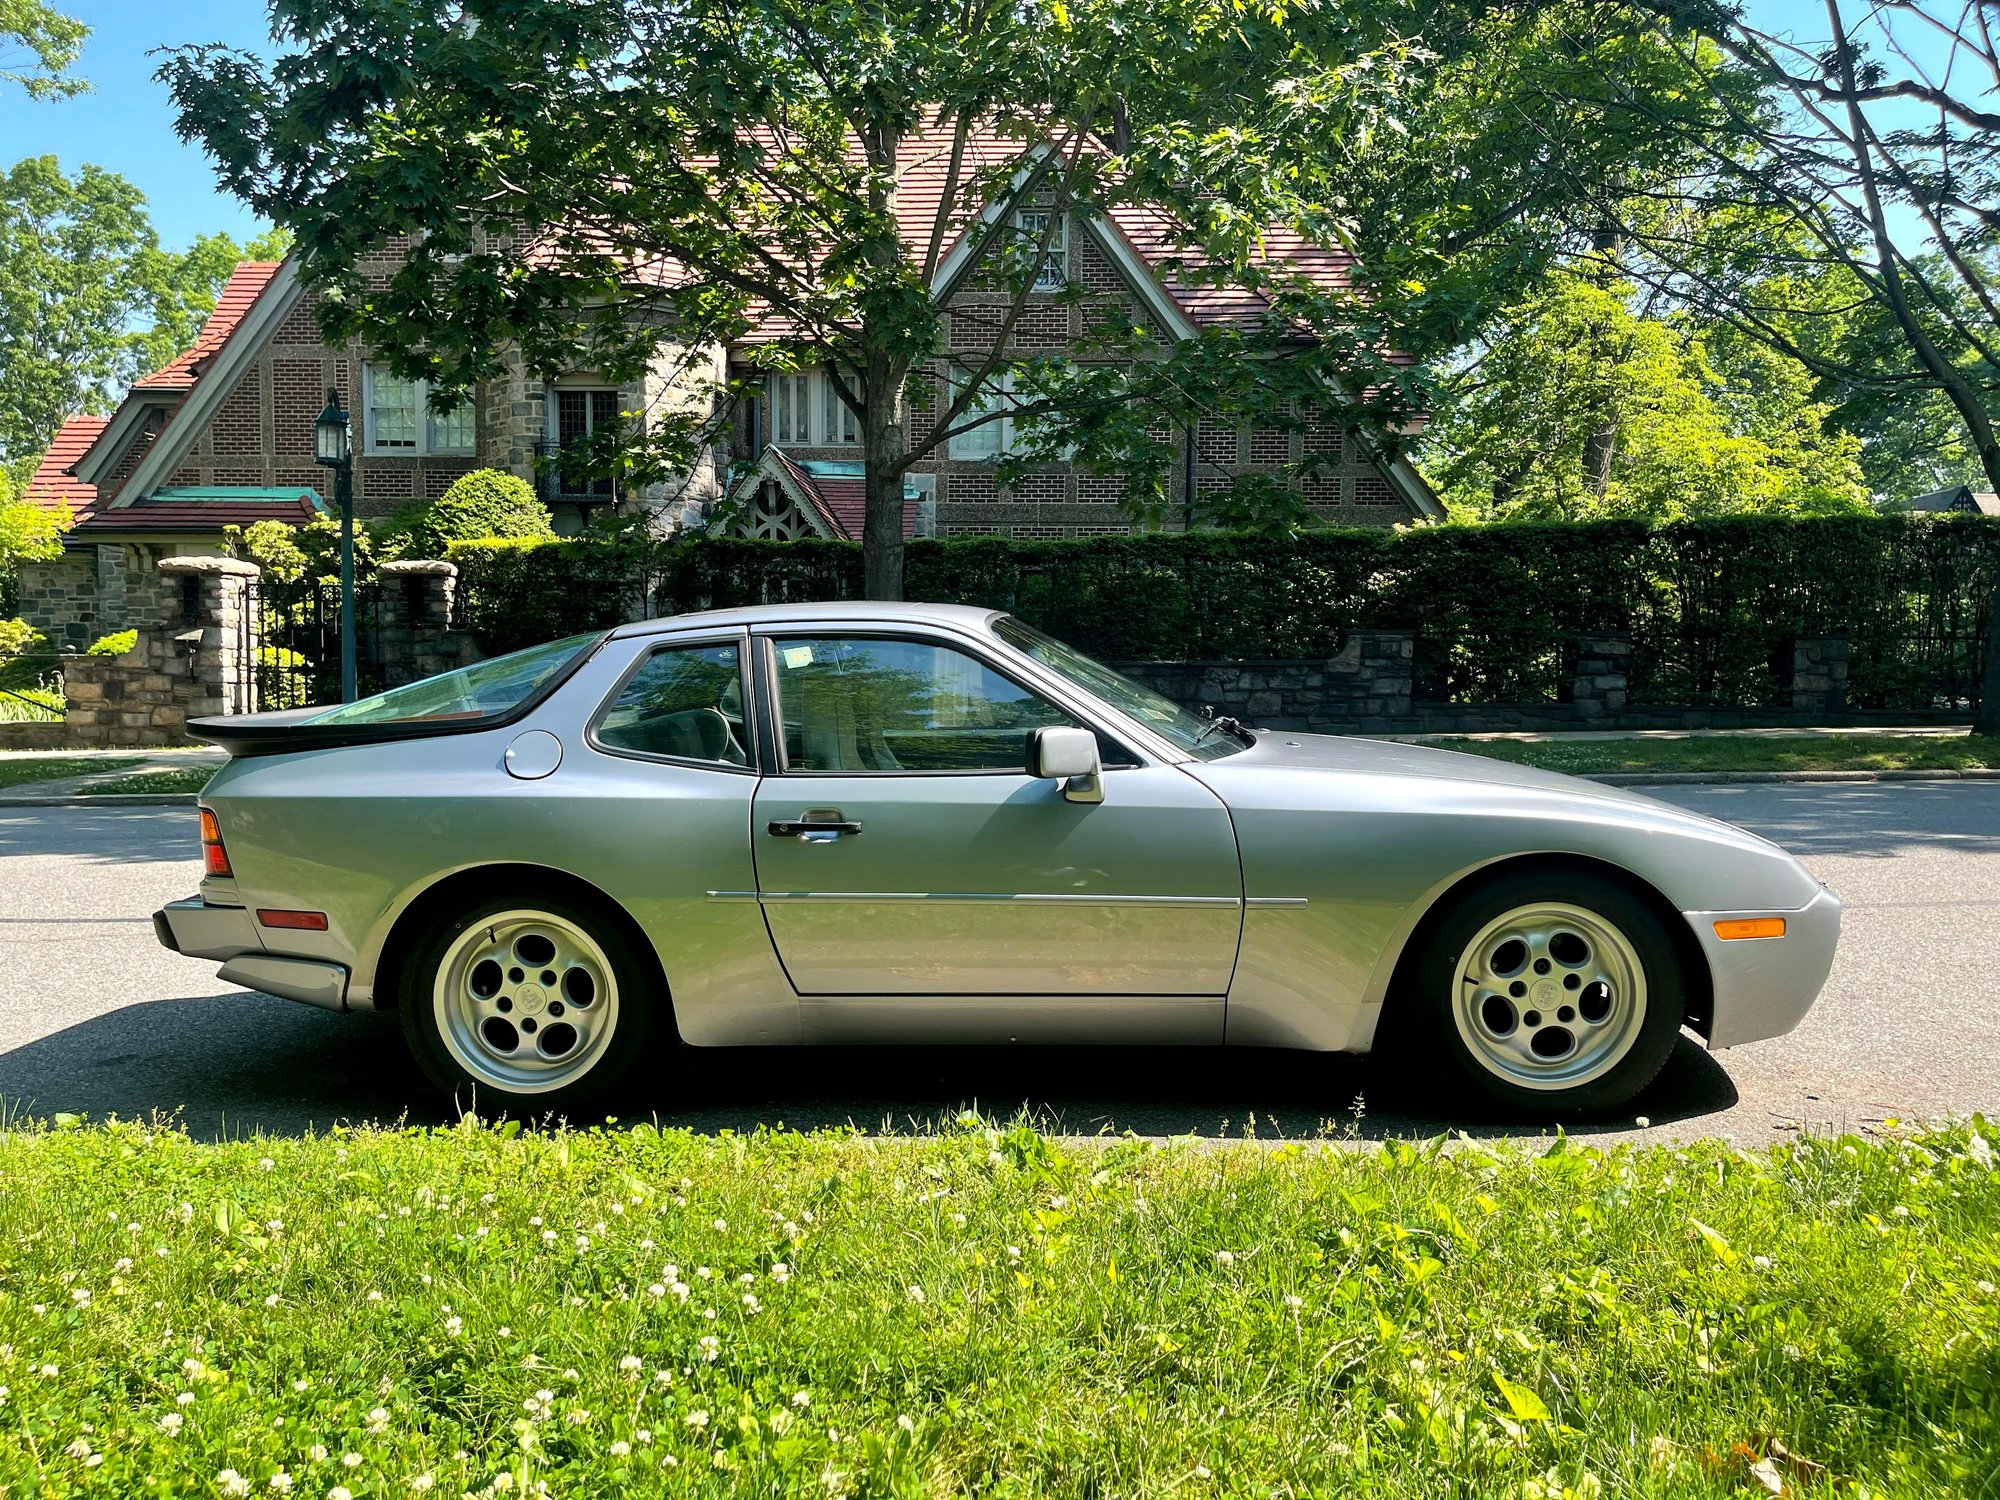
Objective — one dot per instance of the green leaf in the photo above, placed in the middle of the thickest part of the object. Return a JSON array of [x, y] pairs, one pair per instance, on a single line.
[[1724, 1252], [1525, 1405]]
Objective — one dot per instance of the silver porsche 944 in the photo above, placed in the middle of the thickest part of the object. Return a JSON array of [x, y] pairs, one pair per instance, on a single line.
[[922, 823]]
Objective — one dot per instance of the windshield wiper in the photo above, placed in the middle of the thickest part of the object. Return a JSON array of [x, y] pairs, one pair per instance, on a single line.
[[1228, 726]]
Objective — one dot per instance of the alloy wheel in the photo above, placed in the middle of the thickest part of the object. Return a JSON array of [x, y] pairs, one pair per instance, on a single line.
[[526, 1001]]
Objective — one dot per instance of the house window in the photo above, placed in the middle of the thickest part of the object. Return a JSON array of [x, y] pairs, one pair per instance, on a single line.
[[807, 411], [401, 424], [1053, 273], [578, 414], [989, 439]]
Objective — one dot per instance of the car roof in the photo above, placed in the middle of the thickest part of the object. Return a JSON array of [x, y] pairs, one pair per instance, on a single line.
[[870, 611]]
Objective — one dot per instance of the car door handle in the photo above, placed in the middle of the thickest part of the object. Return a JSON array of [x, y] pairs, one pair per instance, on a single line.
[[812, 832]]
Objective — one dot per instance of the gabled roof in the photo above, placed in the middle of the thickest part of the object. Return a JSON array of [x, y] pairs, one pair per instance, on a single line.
[[54, 487], [238, 295], [833, 493], [1962, 498]]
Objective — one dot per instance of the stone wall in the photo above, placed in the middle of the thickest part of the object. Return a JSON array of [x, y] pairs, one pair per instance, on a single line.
[[417, 637], [1366, 685]]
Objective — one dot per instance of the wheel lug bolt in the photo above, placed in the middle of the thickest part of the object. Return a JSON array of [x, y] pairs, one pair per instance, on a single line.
[[1517, 989], [548, 977], [528, 1025], [1541, 966], [1572, 981], [1532, 1018], [506, 1005], [515, 976], [555, 1009], [1567, 1013]]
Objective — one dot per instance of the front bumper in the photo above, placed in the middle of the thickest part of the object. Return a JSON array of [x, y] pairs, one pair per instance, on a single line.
[[199, 929], [1764, 986]]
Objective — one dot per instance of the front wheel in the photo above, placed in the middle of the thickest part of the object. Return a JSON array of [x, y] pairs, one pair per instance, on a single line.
[[1549, 992], [536, 1003]]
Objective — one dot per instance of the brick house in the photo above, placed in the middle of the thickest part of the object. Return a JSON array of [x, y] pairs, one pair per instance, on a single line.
[[224, 434]]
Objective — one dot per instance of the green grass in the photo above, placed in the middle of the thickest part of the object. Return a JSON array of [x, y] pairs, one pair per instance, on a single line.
[[991, 1313], [51, 768], [191, 779], [1846, 752]]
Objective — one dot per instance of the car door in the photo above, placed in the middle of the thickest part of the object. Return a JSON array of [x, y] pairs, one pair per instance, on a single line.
[[902, 849]]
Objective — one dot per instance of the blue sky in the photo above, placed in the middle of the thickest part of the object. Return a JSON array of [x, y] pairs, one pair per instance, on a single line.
[[126, 124]]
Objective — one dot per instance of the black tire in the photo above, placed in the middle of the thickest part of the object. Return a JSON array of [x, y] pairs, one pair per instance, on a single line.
[[635, 1018], [1425, 1021]]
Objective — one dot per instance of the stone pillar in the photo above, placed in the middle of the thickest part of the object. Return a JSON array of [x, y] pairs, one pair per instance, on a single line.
[[216, 635], [417, 638], [1387, 673], [1819, 675], [1603, 671]]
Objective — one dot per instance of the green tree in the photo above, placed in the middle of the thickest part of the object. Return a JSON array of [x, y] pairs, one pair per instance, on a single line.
[[484, 503], [1577, 405], [38, 46], [599, 183], [88, 299]]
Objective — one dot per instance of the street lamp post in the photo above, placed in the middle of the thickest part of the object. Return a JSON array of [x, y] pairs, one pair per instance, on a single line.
[[331, 448]]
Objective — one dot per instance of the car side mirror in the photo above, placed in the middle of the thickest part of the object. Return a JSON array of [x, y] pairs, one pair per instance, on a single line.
[[1069, 756]]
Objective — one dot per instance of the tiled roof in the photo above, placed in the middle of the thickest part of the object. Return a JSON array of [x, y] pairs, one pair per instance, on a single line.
[[208, 509], [246, 283], [51, 488], [840, 499]]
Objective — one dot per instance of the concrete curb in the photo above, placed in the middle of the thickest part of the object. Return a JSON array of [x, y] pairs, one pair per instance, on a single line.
[[1718, 778], [109, 799]]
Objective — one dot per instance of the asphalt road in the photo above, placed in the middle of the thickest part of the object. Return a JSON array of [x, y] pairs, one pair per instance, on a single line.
[[96, 1018]]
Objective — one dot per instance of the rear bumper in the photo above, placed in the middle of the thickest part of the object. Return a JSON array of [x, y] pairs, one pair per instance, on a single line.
[[229, 934], [1765, 986]]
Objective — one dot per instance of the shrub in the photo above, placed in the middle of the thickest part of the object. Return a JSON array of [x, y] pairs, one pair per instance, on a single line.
[[1710, 606], [486, 503], [16, 637], [115, 644]]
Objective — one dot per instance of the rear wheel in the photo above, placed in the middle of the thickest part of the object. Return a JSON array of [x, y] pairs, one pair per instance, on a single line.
[[1549, 992], [538, 1003]]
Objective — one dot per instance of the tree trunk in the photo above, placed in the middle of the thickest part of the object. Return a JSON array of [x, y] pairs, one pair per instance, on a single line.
[[1608, 240], [882, 455], [1987, 720]]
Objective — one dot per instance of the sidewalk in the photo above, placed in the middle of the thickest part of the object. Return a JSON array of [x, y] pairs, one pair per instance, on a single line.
[[117, 764]]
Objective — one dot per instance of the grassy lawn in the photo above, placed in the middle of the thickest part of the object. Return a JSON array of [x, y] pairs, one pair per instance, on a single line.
[[487, 1311], [1845, 752], [51, 768], [190, 779]]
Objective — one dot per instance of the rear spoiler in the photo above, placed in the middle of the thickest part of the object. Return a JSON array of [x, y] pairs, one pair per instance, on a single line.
[[288, 731]]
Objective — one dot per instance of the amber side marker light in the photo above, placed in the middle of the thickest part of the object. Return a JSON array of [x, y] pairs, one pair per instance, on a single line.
[[305, 921], [214, 858], [1750, 927]]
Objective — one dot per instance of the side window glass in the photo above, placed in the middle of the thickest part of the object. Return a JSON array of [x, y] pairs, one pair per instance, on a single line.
[[859, 704], [685, 701]]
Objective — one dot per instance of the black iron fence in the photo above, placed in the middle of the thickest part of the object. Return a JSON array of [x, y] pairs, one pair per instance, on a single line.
[[298, 647]]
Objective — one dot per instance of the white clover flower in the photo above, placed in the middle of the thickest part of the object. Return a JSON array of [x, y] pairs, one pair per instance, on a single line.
[[122, 1264], [1225, 1257], [781, 1273], [1761, 1262], [751, 1305], [630, 1366], [374, 1296], [643, 1436], [721, 1226], [317, 1453], [790, 1230], [656, 1291], [1985, 1288], [272, 1300], [454, 1326], [914, 1293], [959, 1220], [697, 1419], [378, 1421], [264, 1164], [1294, 1302], [576, 1416], [280, 1483], [186, 1213], [905, 1423], [274, 1226], [710, 1347], [420, 1482], [185, 1398], [340, 1492], [548, 1236], [161, 1251], [1978, 1148], [535, 1222], [1900, 1211], [232, 1483], [620, 1449], [1201, 1472], [170, 1424], [802, 1399], [78, 1448], [539, 1405], [80, 1297], [350, 1460], [582, 1243], [1013, 1252], [702, 1273]]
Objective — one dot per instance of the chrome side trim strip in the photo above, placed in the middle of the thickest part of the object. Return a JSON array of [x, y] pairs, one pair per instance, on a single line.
[[1265, 902], [732, 895]]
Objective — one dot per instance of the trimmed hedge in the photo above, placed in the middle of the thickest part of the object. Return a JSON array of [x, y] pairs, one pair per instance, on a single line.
[[1711, 607]]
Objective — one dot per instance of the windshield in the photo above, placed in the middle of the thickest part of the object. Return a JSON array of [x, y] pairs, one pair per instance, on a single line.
[[1166, 718], [482, 691]]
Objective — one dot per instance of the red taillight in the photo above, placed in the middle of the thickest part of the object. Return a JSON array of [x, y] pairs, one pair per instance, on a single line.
[[214, 858], [305, 921]]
